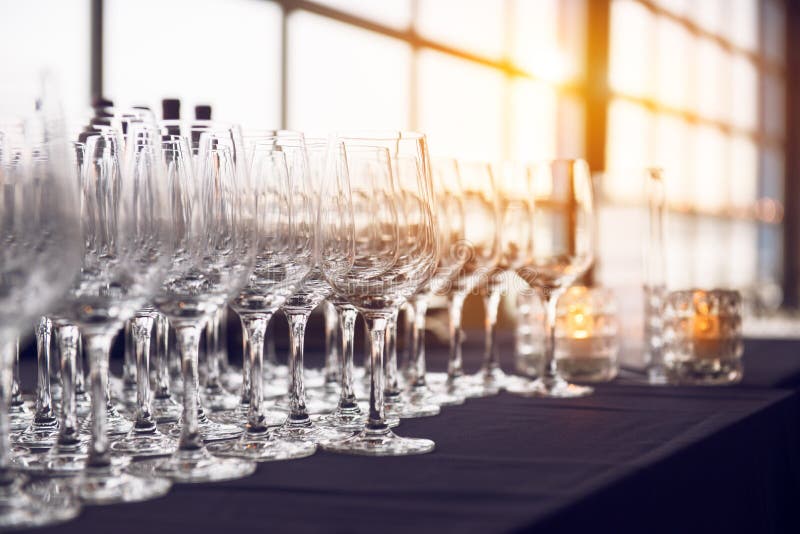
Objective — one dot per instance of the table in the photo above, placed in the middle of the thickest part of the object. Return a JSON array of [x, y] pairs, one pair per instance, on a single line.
[[631, 458]]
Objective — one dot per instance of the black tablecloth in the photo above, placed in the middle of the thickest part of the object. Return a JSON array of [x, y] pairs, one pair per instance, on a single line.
[[631, 458]]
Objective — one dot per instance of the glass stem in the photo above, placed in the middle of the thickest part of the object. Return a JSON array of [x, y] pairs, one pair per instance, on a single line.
[[347, 397], [455, 366], [408, 338], [256, 326], [392, 381], [16, 389], [548, 370], [297, 391], [491, 301], [162, 363], [80, 377], [6, 379], [244, 398], [141, 328], [44, 403], [222, 339], [271, 353], [332, 359], [129, 357], [376, 422], [98, 347], [212, 353], [417, 364], [189, 347], [68, 337]]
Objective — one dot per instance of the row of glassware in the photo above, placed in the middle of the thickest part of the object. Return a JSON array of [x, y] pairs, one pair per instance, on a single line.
[[145, 222]]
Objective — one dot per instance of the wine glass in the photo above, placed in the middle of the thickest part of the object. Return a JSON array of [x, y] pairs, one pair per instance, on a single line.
[[481, 255], [516, 210], [215, 246], [169, 160], [560, 251], [211, 428], [454, 253], [278, 271], [40, 228], [365, 213], [127, 231], [409, 166]]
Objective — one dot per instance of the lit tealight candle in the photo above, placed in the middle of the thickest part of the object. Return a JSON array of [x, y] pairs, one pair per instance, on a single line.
[[579, 330], [705, 330]]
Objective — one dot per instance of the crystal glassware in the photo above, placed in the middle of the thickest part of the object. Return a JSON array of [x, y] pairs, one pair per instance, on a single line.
[[561, 247], [283, 260], [587, 343], [367, 218], [703, 336], [40, 228], [128, 247], [215, 246]]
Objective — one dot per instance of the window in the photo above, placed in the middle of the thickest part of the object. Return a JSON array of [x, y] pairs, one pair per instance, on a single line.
[[193, 49], [56, 44], [696, 91]]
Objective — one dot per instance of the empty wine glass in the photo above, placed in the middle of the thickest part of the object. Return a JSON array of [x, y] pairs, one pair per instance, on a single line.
[[148, 153], [215, 245], [364, 215], [127, 231], [40, 228], [560, 251], [481, 253], [278, 270], [454, 253], [516, 210]]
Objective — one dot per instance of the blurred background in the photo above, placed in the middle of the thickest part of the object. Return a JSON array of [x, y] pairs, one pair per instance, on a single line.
[[698, 87]]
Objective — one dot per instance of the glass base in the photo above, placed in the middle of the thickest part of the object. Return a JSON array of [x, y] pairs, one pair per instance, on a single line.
[[218, 399], [556, 388], [238, 416], [263, 447], [38, 504], [424, 394], [38, 435], [166, 410], [315, 404], [308, 432], [108, 485], [210, 430], [487, 384], [380, 443], [194, 466], [116, 424], [400, 406], [143, 445], [20, 417], [705, 371], [350, 421], [462, 386], [61, 462]]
